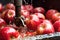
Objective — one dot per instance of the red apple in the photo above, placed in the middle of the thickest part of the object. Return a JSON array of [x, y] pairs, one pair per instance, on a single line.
[[10, 6], [1, 7], [8, 33], [50, 13], [29, 8], [3, 13], [57, 26], [40, 15], [56, 17], [30, 33], [8, 15], [23, 35], [25, 13], [39, 10], [23, 7], [2, 23], [45, 27], [51, 21], [32, 22]]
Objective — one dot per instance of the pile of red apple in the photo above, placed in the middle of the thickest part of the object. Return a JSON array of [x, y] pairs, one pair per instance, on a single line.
[[37, 21]]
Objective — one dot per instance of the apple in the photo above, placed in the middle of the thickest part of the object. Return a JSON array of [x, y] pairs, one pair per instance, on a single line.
[[50, 13], [40, 15], [3, 13], [39, 10], [23, 35], [51, 21], [30, 33], [57, 26], [23, 7], [1, 7], [8, 15], [25, 13], [29, 8], [32, 22], [2, 23], [10, 6], [45, 27], [56, 17], [9, 33]]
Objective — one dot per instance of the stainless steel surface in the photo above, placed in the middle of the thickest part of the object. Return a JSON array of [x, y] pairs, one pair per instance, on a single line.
[[52, 36]]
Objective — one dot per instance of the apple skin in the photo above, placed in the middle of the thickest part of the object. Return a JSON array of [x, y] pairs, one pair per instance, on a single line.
[[29, 8], [39, 10], [32, 22], [57, 26], [50, 13], [40, 15], [1, 7], [2, 23], [30, 33], [10, 6], [45, 27], [8, 15], [56, 17], [23, 7], [25, 13], [51, 21], [8, 33], [3, 13]]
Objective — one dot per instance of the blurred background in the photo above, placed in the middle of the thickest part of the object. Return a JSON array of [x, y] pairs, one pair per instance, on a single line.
[[47, 4]]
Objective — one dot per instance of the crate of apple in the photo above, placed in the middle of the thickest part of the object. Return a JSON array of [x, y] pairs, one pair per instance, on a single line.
[[38, 23]]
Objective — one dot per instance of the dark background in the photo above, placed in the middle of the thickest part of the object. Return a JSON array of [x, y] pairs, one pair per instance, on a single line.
[[47, 4], [5, 1]]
